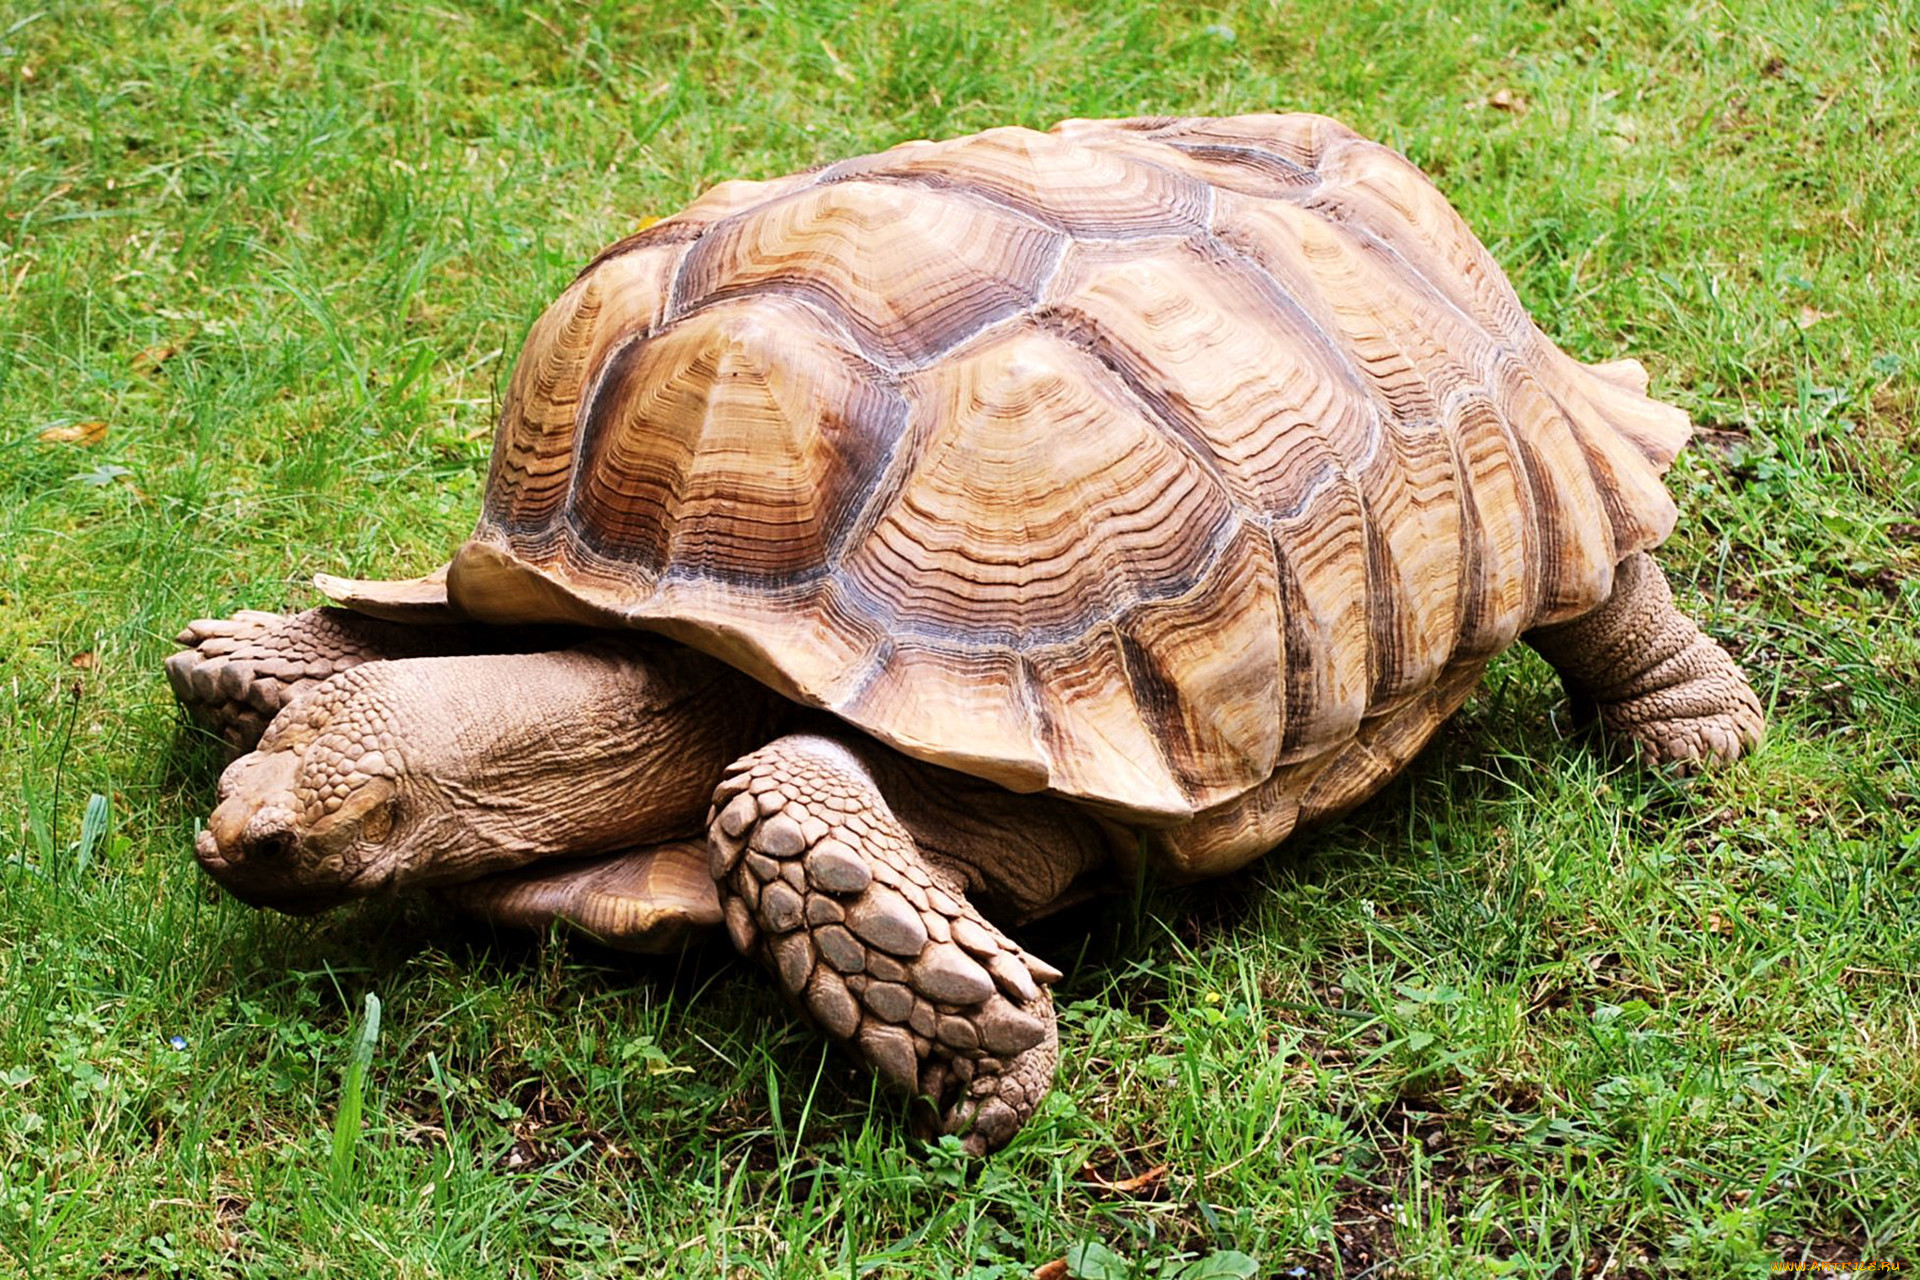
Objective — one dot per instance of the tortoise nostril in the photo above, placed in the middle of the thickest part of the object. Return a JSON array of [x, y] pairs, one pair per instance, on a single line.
[[268, 835]]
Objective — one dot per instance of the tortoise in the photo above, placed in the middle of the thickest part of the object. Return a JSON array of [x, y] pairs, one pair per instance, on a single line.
[[879, 552]]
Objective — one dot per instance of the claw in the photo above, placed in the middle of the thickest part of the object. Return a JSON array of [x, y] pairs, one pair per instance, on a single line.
[[839, 902]]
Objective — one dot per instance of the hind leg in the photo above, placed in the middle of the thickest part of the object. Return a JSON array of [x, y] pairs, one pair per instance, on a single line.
[[1653, 676]]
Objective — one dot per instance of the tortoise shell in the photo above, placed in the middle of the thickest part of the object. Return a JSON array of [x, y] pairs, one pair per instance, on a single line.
[[1150, 462]]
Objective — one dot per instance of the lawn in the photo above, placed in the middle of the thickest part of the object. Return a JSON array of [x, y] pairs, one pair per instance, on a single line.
[[264, 267]]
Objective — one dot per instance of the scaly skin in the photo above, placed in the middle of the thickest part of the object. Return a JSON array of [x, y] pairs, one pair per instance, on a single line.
[[236, 674], [876, 940], [426, 771], [1653, 676]]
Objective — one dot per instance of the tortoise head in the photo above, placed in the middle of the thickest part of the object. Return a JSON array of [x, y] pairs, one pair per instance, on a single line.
[[320, 812], [421, 772]]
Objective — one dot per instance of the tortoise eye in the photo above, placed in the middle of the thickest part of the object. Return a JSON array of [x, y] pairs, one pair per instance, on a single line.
[[378, 824]]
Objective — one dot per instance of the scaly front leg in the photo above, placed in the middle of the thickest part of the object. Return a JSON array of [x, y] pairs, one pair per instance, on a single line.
[[873, 935], [234, 675]]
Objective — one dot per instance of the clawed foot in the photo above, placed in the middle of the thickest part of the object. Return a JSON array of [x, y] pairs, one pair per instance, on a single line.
[[235, 674], [821, 882], [1700, 711], [1654, 678]]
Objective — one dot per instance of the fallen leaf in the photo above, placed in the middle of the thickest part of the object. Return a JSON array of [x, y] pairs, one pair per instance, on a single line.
[[1811, 316], [75, 433], [1055, 1270], [85, 661], [1507, 100], [150, 358], [1126, 1186]]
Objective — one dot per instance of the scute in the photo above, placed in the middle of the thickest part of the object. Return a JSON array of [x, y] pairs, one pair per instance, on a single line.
[[737, 445], [1189, 468], [905, 272], [1088, 192], [1037, 495], [533, 455]]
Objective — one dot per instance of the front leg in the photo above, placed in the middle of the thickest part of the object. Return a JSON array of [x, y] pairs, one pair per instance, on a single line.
[[234, 675], [875, 938]]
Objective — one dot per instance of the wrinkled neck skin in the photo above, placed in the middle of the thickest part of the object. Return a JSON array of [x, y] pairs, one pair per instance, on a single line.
[[598, 753], [427, 771], [432, 770]]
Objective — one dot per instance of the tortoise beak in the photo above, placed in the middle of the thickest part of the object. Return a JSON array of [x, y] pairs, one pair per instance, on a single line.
[[245, 880], [257, 849], [249, 871]]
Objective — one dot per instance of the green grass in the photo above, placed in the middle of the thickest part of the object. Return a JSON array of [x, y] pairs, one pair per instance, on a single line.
[[1528, 1012]]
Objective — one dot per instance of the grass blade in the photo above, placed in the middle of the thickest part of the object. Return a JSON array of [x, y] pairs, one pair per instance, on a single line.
[[346, 1121], [93, 829]]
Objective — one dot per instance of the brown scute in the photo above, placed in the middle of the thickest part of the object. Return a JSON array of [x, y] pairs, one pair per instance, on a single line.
[[1091, 193], [1499, 589], [738, 444], [1230, 835], [1378, 200], [907, 272], [1208, 668], [1321, 554], [1625, 374], [1089, 725], [1573, 531], [1173, 321], [717, 203], [1302, 138], [1247, 170], [419, 601], [534, 445], [1181, 467], [1630, 441], [1040, 495], [1273, 157], [983, 725], [488, 582]]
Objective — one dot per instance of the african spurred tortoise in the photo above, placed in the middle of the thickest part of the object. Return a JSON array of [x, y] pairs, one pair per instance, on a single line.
[[877, 551]]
